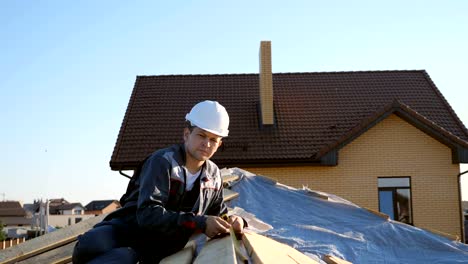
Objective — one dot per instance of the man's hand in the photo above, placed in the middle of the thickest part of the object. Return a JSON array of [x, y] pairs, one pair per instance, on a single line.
[[216, 225], [237, 223]]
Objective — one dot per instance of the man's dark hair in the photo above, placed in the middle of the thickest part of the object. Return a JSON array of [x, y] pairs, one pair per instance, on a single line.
[[189, 125]]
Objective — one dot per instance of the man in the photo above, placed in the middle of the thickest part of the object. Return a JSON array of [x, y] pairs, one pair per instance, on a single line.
[[175, 194]]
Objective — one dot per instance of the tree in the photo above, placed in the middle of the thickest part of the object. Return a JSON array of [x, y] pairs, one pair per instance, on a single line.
[[3, 235]]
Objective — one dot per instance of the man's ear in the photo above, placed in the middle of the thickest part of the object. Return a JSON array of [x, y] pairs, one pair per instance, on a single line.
[[220, 143], [186, 133]]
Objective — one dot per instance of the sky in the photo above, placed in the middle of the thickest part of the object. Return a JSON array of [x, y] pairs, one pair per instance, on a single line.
[[67, 68]]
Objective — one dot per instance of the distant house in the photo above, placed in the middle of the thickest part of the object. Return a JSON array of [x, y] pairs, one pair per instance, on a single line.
[[58, 213], [102, 207], [13, 214], [68, 209], [63, 207], [386, 140]]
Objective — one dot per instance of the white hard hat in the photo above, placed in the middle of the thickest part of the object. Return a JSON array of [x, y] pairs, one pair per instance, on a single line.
[[210, 116]]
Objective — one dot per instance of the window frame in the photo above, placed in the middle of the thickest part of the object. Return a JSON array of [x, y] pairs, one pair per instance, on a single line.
[[394, 190]]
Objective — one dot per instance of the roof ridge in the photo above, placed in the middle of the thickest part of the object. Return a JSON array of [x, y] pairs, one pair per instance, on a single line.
[[277, 73], [357, 71], [195, 74]]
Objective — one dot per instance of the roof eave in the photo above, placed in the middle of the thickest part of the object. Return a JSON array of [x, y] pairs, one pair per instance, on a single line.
[[459, 147]]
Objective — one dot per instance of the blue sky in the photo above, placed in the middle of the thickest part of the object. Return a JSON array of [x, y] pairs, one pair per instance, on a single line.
[[67, 68]]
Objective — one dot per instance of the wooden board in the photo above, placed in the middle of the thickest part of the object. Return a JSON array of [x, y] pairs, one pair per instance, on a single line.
[[316, 194], [255, 224], [265, 250], [382, 215], [229, 195], [47, 242], [329, 259], [58, 255], [217, 251], [229, 178]]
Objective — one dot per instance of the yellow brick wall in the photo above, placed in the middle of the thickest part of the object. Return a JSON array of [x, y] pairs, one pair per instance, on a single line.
[[391, 148]]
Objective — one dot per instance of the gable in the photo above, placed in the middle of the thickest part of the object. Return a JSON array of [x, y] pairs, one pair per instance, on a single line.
[[396, 141]]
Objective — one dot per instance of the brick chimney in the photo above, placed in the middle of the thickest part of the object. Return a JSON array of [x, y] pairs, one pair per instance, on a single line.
[[266, 84]]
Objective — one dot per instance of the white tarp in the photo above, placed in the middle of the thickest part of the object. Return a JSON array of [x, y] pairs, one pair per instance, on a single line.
[[338, 227]]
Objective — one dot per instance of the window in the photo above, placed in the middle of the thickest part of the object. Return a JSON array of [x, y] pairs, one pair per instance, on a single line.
[[78, 211], [395, 198]]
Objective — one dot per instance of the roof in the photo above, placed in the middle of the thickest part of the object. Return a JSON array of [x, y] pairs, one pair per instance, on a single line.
[[12, 212], [314, 113], [69, 206], [99, 205], [11, 208], [58, 201], [10, 204]]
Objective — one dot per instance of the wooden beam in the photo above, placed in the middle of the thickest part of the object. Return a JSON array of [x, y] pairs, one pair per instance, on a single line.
[[229, 195], [47, 242], [329, 259], [217, 251], [382, 215], [229, 178], [265, 250], [58, 255], [316, 194]]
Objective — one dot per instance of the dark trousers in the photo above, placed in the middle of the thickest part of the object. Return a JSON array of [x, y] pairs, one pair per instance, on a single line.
[[108, 242], [116, 241]]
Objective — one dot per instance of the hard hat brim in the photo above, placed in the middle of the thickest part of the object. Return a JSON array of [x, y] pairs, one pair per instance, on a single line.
[[218, 133]]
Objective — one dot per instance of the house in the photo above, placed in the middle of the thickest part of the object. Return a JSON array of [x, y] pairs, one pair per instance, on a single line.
[[57, 213], [14, 219], [13, 214], [385, 140], [63, 207], [98, 207]]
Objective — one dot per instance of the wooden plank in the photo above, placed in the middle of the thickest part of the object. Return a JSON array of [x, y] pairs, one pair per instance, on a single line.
[[229, 178], [241, 254], [61, 254], [65, 260], [217, 251], [265, 250], [317, 195], [47, 242], [185, 256], [256, 225], [329, 259], [229, 195], [382, 215]]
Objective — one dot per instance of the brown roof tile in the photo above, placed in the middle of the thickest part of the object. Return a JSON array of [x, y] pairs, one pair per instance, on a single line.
[[10, 204], [11, 208], [100, 204], [313, 112]]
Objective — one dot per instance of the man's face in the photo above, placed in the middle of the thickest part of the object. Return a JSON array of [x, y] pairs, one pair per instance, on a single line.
[[201, 144]]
